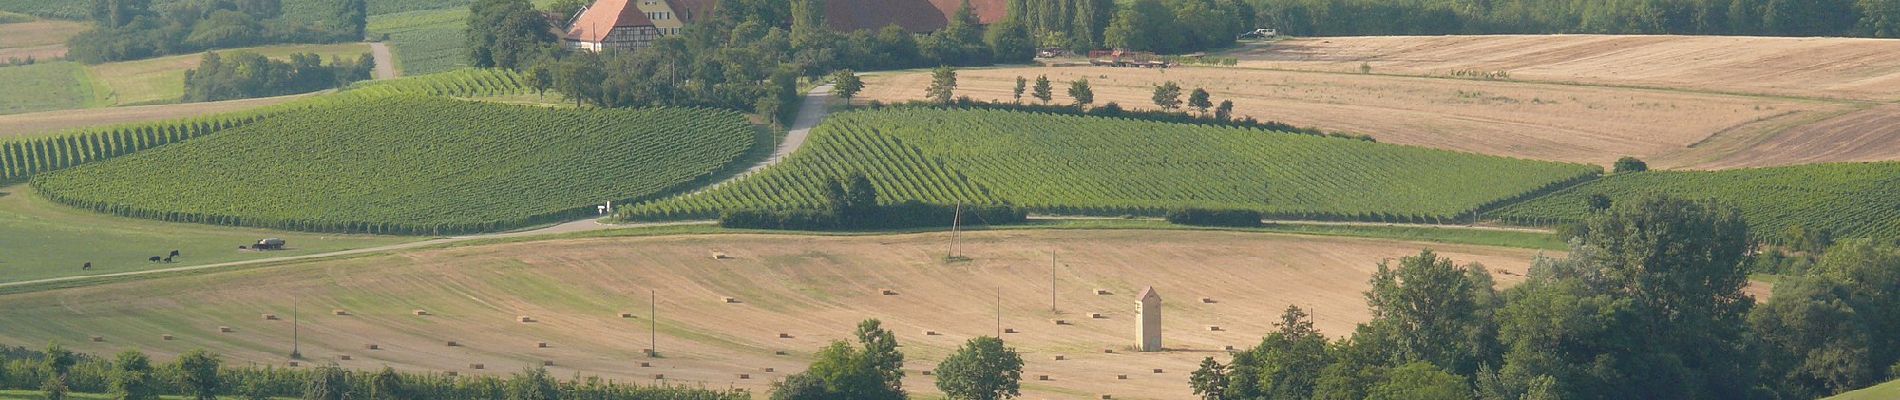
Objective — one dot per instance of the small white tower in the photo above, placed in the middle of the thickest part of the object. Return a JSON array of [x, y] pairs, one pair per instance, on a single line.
[[1148, 320]]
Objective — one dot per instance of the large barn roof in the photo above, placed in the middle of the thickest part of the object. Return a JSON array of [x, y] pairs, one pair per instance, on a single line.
[[605, 15], [912, 15]]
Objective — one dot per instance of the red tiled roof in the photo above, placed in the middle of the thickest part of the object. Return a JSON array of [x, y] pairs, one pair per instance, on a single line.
[[605, 15], [912, 15]]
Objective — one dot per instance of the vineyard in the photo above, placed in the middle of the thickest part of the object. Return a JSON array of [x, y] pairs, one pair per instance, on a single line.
[[1110, 167], [412, 165], [21, 158], [1852, 200]]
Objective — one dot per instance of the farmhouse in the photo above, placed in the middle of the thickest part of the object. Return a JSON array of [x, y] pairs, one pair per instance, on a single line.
[[635, 24]]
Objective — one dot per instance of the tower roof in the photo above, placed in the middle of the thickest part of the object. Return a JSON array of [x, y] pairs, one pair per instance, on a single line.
[[1148, 292]]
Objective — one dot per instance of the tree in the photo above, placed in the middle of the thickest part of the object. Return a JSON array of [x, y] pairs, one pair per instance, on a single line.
[[1009, 41], [353, 16], [808, 23], [506, 34], [1146, 25], [1225, 111], [1168, 96], [1080, 91], [943, 85], [1436, 311], [982, 369], [880, 351], [1598, 202], [800, 386], [1288, 363], [1630, 164], [1210, 380], [1021, 86], [567, 9], [1044, 91], [57, 363], [871, 371], [1829, 330], [132, 377], [1420, 381], [118, 13], [541, 78], [847, 84], [200, 371], [533, 384], [330, 382], [1200, 101]]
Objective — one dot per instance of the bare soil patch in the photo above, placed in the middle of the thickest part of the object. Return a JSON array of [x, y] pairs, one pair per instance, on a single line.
[[1841, 68], [792, 295], [1555, 122], [1872, 134], [41, 40]]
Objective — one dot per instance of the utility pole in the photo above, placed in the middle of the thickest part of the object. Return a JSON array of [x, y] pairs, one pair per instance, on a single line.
[[296, 352], [999, 313], [653, 324], [1052, 280], [956, 219]]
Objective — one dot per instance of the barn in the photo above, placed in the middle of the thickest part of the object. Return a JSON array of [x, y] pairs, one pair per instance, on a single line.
[[634, 24]]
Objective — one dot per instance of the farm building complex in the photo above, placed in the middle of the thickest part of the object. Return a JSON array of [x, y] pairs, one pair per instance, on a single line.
[[634, 24]]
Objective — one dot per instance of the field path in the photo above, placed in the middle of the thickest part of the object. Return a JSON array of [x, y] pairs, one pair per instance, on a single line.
[[813, 111], [385, 61]]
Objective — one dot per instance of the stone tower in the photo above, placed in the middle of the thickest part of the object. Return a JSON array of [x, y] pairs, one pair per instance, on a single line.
[[1148, 320]]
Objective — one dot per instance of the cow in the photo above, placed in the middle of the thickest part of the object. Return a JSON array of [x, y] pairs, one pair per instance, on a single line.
[[155, 259], [174, 253], [88, 267]]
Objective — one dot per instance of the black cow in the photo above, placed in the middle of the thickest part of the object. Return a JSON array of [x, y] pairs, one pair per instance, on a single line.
[[155, 259], [88, 267], [174, 253], [168, 260]]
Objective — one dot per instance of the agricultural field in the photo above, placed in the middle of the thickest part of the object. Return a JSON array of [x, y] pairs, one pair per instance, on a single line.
[[22, 37], [1556, 122], [1835, 68], [1109, 167], [425, 42], [162, 80], [413, 165], [813, 288], [1852, 200], [40, 239], [44, 122], [1884, 391], [47, 86]]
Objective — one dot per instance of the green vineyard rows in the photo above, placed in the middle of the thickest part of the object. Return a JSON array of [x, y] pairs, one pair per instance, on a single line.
[[24, 157], [1109, 167], [412, 165], [1852, 200]]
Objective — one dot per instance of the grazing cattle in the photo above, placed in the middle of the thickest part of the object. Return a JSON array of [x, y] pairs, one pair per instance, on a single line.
[[155, 259], [88, 267], [168, 260], [243, 247], [174, 253]]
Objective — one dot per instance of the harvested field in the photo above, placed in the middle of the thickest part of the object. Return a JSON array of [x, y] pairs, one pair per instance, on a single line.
[[812, 289], [1871, 134], [1841, 68], [41, 40], [1539, 121], [54, 121]]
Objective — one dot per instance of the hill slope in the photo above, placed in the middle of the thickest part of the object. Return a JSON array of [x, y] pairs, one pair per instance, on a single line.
[[1102, 166], [411, 165], [1852, 200]]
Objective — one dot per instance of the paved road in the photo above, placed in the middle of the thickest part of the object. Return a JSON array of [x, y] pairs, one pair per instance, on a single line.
[[813, 111], [385, 61]]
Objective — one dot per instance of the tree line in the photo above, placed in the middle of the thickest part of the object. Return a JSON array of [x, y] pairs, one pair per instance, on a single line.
[[244, 75], [1863, 18], [983, 368], [1649, 303], [132, 29], [131, 375]]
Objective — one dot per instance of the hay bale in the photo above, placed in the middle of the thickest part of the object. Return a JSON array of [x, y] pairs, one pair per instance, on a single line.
[[344, 357], [659, 376], [779, 353], [1213, 328], [1009, 330], [783, 335], [1158, 370], [270, 317], [226, 329], [373, 347], [166, 337], [728, 300], [1229, 349], [646, 365], [293, 364], [1107, 397], [1207, 300], [547, 363], [524, 319], [1108, 351], [1097, 316], [452, 343], [1122, 377], [627, 315], [718, 255], [770, 369], [1060, 321], [541, 345], [887, 292], [927, 372], [745, 376], [339, 311], [477, 366], [98, 339], [1060, 357], [1042, 377], [421, 312], [1103, 292]]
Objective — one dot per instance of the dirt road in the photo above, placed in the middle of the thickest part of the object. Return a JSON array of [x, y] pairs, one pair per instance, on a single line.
[[385, 61]]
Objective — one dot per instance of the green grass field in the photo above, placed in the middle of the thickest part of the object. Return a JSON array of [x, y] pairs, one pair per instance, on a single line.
[[40, 239], [46, 86], [162, 80], [1853, 200], [1885, 391], [1109, 167], [413, 165]]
